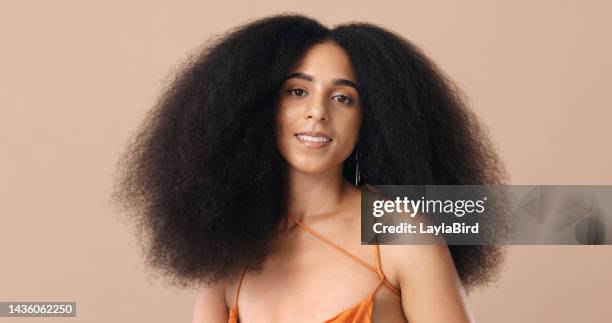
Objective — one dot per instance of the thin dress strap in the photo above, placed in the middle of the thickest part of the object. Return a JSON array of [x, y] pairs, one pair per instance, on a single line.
[[380, 272], [238, 290], [377, 269]]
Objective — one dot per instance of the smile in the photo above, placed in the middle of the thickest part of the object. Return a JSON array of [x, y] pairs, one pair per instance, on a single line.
[[313, 140]]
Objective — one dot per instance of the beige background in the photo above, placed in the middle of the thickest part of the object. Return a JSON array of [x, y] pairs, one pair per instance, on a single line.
[[76, 78]]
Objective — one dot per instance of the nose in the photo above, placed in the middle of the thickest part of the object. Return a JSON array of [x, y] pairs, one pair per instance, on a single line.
[[316, 110], [312, 116]]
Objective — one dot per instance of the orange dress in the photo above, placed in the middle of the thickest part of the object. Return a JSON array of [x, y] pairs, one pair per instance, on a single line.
[[359, 313]]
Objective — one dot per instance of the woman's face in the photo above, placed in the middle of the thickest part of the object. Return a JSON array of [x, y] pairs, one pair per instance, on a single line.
[[319, 111]]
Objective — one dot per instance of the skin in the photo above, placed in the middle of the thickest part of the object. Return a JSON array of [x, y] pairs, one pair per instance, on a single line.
[[305, 279]]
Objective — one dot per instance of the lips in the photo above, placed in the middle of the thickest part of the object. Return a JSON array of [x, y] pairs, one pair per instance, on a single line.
[[313, 139]]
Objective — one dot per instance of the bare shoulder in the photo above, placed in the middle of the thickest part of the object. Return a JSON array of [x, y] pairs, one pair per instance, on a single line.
[[431, 290], [210, 303], [409, 262]]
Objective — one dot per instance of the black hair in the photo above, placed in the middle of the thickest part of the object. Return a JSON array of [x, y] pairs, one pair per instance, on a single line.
[[203, 177]]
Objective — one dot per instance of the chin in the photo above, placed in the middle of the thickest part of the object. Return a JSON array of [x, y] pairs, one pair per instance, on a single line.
[[310, 167]]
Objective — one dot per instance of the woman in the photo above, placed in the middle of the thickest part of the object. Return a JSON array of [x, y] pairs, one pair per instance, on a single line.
[[246, 178]]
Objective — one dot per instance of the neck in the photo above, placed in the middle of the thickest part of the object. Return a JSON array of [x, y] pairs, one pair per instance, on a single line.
[[312, 195]]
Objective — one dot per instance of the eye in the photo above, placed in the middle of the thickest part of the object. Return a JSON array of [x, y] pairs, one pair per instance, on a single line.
[[343, 99], [297, 92]]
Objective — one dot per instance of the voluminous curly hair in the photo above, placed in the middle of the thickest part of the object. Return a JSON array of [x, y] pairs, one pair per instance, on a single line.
[[203, 177]]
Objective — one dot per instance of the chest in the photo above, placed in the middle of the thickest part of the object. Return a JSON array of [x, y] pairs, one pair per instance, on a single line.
[[308, 280]]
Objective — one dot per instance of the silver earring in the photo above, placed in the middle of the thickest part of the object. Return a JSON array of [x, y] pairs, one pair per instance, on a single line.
[[357, 174]]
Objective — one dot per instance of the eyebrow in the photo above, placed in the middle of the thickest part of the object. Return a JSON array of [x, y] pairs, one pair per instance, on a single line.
[[307, 77]]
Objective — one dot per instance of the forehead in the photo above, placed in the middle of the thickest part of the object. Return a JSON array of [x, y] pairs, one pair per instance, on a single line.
[[326, 61]]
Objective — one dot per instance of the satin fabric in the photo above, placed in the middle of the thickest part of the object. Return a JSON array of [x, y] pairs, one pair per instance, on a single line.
[[360, 312]]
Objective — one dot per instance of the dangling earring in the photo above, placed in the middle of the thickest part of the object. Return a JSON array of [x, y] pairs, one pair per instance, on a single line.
[[357, 174]]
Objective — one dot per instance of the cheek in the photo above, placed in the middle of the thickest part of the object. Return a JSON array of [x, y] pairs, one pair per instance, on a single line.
[[349, 127], [284, 119]]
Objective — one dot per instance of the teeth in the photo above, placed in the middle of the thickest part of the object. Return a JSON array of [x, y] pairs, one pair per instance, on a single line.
[[313, 138]]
